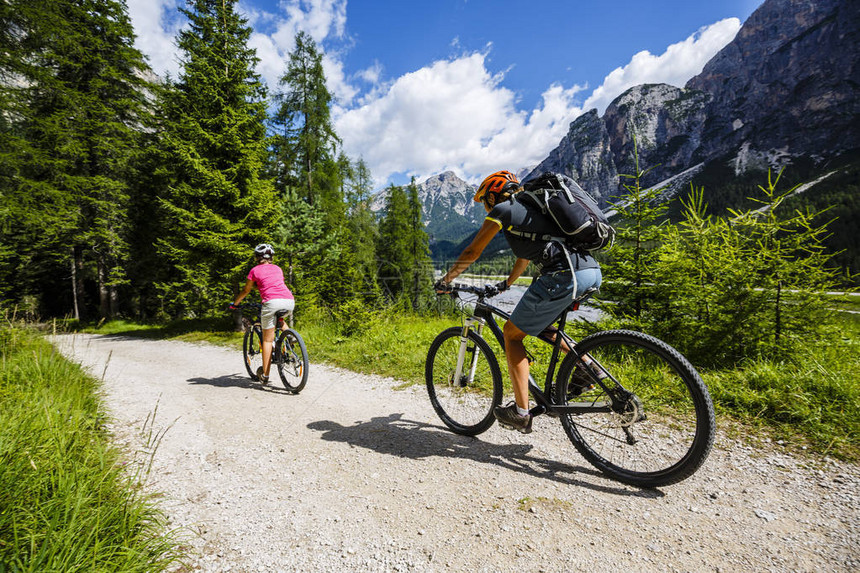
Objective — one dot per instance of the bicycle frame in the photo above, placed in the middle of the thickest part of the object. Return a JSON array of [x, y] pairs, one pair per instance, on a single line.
[[483, 315], [280, 328]]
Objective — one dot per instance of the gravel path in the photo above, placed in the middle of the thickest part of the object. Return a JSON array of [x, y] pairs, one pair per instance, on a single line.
[[354, 475]]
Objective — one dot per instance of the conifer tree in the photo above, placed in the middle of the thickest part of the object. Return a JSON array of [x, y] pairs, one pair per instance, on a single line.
[[307, 167], [420, 263], [394, 247], [216, 205], [78, 110], [629, 276], [304, 134], [363, 227]]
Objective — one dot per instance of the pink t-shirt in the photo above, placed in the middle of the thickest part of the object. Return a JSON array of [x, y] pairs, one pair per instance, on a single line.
[[269, 278]]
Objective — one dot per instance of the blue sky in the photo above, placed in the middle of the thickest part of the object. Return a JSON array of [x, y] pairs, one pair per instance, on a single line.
[[472, 86]]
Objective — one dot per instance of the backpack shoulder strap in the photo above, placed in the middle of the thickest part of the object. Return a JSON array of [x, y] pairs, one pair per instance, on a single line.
[[533, 236]]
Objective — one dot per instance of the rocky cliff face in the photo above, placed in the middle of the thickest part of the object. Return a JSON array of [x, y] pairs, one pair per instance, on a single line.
[[665, 121], [786, 86]]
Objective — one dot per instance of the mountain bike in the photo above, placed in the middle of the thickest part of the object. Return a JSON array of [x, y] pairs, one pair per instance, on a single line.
[[632, 405], [288, 352]]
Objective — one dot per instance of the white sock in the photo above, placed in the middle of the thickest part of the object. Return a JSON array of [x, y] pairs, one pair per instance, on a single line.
[[522, 411]]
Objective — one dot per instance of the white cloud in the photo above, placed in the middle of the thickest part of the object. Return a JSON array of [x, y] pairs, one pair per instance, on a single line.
[[453, 114], [275, 37], [156, 23], [675, 66], [456, 115]]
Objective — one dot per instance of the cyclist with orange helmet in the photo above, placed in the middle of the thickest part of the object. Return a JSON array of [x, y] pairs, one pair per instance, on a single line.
[[563, 275]]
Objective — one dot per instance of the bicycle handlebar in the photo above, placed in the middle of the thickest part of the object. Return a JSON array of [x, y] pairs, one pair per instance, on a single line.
[[485, 291], [248, 305]]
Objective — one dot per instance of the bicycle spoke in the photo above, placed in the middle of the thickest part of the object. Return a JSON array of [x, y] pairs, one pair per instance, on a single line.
[[660, 428], [464, 381]]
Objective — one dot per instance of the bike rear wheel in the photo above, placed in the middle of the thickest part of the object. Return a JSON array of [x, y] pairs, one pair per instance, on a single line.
[[252, 350], [464, 401], [292, 360], [661, 425]]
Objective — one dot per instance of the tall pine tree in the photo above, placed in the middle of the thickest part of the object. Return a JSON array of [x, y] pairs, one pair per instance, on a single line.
[[363, 226], [74, 113], [420, 287], [216, 205], [307, 168], [405, 269], [304, 134]]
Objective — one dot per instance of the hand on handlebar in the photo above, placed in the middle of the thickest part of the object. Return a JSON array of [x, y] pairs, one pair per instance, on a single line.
[[493, 290], [232, 306], [442, 287]]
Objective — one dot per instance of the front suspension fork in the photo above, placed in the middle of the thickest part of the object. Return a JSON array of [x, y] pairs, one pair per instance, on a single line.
[[478, 325]]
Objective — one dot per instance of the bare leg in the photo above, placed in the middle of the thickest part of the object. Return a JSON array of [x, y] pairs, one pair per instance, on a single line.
[[518, 364], [268, 342]]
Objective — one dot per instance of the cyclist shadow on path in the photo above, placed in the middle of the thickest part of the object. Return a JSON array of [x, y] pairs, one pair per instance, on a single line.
[[239, 381], [395, 436]]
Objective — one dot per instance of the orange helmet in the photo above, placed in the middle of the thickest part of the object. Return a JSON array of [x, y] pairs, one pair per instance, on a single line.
[[498, 182]]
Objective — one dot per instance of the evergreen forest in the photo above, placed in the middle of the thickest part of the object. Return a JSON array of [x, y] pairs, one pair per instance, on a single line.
[[128, 195], [125, 195]]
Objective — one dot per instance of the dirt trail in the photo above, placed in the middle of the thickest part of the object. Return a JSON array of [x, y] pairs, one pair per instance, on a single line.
[[352, 475]]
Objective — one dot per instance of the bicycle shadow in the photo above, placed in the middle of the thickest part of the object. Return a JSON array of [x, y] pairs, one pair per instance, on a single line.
[[240, 381], [392, 435]]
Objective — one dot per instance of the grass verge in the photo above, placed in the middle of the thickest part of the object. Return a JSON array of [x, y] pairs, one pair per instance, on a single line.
[[67, 501], [811, 403]]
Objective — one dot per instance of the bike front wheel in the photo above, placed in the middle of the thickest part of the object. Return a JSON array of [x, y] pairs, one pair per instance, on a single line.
[[651, 422], [292, 360], [463, 380], [252, 350]]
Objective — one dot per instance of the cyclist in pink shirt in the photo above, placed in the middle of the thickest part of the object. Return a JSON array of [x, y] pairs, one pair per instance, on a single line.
[[269, 280]]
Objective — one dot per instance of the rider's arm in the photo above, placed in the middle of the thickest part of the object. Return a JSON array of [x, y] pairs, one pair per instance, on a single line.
[[471, 253], [249, 286], [519, 268]]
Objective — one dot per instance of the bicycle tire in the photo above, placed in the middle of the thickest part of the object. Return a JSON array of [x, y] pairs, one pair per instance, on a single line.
[[466, 408], [670, 416], [252, 350], [292, 361]]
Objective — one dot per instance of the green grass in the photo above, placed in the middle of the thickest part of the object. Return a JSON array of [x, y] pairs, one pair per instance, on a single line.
[[68, 500], [812, 402]]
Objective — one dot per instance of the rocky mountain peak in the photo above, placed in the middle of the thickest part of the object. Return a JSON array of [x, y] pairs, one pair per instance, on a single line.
[[789, 81], [788, 85]]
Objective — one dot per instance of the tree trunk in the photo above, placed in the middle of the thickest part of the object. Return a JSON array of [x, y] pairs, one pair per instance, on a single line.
[[114, 301], [75, 312], [78, 279], [778, 326], [104, 291]]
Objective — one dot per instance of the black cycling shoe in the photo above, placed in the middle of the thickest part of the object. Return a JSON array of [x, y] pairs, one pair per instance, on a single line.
[[510, 419]]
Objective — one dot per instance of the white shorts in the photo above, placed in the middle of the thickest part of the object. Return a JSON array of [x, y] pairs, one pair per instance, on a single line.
[[270, 307]]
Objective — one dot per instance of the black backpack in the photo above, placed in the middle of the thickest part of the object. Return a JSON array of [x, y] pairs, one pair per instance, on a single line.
[[581, 224]]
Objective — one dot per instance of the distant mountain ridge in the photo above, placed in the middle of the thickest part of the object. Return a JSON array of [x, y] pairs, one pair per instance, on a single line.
[[448, 210], [785, 88], [784, 92]]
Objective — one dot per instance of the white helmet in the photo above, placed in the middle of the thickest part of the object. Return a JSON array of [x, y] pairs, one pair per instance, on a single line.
[[264, 251]]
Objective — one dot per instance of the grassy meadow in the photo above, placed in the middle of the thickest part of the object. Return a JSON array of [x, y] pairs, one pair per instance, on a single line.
[[809, 403], [69, 499]]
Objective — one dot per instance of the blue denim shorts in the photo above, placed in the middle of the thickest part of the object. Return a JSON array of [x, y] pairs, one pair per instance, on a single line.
[[548, 296]]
